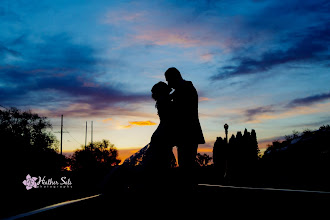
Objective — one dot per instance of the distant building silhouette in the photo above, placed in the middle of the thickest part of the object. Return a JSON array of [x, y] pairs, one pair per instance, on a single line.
[[236, 159]]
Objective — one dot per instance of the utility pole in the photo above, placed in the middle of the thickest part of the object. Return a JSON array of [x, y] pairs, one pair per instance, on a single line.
[[61, 132], [86, 136], [92, 134]]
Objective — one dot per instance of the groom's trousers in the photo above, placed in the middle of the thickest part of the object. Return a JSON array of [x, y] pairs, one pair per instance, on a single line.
[[187, 155], [187, 162]]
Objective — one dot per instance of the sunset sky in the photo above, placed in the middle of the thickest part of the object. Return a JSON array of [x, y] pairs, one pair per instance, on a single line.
[[257, 64]]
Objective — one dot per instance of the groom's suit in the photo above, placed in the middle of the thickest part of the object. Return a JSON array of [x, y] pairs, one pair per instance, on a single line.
[[187, 126]]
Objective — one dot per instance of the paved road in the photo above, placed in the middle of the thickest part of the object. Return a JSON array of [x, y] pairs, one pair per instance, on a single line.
[[204, 200]]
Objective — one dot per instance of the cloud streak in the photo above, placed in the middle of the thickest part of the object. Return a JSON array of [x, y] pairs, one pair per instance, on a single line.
[[253, 112], [309, 100], [139, 123], [83, 110], [300, 106]]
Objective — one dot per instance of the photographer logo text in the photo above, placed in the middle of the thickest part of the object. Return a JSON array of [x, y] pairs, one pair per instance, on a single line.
[[42, 182]]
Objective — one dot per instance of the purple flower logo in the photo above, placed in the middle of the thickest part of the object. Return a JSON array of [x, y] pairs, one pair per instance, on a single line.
[[30, 182]]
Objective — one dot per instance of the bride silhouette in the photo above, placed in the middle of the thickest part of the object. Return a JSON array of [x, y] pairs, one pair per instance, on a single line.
[[158, 153], [153, 160], [162, 140]]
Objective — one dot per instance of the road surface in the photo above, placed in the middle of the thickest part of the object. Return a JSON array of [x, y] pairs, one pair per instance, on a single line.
[[201, 201]]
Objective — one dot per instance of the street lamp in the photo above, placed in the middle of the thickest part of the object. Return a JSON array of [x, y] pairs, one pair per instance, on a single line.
[[226, 131]]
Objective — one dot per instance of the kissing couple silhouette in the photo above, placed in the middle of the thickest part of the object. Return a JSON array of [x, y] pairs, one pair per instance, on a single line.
[[179, 123], [179, 126]]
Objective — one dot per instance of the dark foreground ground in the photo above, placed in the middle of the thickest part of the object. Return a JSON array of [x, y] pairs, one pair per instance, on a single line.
[[139, 195], [202, 201]]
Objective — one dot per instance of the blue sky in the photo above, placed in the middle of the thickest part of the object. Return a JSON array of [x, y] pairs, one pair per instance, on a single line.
[[261, 64]]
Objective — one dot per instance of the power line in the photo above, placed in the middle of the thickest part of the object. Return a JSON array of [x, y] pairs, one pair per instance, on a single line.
[[72, 136], [71, 126]]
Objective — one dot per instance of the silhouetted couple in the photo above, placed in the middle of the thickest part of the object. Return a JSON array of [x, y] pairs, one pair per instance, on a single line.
[[179, 124]]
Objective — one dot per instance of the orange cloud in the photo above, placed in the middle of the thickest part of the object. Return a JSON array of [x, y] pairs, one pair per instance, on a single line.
[[107, 120], [138, 123], [165, 37], [116, 17], [206, 57], [201, 99], [142, 123]]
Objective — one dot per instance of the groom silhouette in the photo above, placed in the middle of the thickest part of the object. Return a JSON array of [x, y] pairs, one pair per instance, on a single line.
[[187, 128]]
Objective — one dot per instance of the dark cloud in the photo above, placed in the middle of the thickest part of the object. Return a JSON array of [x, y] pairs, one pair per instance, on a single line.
[[5, 51], [313, 47], [60, 51], [309, 100], [57, 70], [295, 32], [279, 17], [253, 113], [250, 114], [35, 87], [7, 15]]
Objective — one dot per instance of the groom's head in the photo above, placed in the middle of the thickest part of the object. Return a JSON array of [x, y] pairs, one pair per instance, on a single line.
[[173, 77]]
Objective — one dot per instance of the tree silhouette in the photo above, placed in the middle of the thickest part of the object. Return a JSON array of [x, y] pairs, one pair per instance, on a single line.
[[254, 145], [98, 155], [203, 159], [220, 152], [25, 129], [27, 144], [237, 159]]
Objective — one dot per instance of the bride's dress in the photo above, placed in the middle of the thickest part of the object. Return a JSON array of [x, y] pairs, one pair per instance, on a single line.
[[137, 158], [158, 153], [151, 161]]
